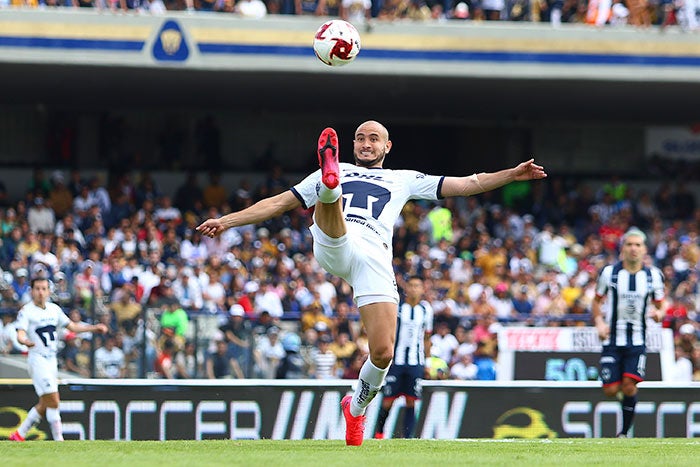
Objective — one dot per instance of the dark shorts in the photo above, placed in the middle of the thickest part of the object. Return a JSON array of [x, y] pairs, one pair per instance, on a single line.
[[403, 380], [616, 362]]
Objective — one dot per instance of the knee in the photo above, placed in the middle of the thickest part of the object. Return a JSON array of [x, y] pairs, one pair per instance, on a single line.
[[629, 387], [611, 391], [381, 356]]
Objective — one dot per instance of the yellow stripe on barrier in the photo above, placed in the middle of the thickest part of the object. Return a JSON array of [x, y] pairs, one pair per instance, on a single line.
[[455, 43], [74, 31], [15, 381]]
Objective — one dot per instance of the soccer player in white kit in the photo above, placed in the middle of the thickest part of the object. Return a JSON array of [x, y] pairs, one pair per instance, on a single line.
[[356, 206], [38, 326]]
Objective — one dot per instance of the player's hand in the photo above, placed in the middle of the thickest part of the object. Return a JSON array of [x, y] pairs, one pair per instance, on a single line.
[[211, 227], [27, 343], [603, 331], [528, 170], [101, 328]]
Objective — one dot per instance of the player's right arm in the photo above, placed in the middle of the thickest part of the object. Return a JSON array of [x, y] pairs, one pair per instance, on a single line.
[[259, 212], [23, 339]]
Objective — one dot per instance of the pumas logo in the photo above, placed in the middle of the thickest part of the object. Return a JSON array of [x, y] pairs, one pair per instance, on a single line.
[[170, 44]]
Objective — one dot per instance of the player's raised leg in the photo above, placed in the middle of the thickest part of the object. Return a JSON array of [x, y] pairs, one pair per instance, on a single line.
[[328, 214]]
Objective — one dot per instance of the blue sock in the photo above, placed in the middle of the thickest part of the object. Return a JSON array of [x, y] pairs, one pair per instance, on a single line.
[[628, 404], [409, 422]]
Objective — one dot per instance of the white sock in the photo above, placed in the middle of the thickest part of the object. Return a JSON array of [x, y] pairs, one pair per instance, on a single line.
[[368, 385], [53, 416], [33, 418], [326, 195]]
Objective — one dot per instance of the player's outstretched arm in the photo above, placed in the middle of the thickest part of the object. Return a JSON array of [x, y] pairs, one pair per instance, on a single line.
[[259, 212], [99, 328], [479, 183]]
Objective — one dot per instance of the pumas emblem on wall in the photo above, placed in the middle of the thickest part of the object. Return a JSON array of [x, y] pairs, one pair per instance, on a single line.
[[170, 44]]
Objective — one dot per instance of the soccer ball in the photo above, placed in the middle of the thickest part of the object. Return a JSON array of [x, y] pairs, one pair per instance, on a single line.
[[337, 43]]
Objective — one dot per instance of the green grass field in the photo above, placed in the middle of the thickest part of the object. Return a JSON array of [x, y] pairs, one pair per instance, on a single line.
[[390, 453]]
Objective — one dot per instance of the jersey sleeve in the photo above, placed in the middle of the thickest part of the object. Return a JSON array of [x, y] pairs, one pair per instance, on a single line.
[[305, 190], [63, 319], [422, 186], [428, 317], [657, 285], [603, 281], [22, 321]]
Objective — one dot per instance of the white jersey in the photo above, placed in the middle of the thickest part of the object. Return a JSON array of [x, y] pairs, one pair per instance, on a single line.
[[373, 198], [109, 363], [413, 324], [628, 297], [42, 326]]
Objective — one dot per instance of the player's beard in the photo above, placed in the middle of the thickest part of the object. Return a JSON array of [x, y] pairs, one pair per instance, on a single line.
[[376, 162]]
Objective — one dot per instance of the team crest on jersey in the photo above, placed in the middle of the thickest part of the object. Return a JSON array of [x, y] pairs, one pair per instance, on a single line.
[[420, 175]]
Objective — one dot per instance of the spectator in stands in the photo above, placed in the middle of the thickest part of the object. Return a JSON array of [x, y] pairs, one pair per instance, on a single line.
[[214, 194], [125, 306], [165, 361], [21, 285], [86, 284], [109, 359], [443, 343], [188, 363], [221, 365], [325, 364], [238, 335], [176, 318], [292, 365], [41, 218], [268, 353], [314, 315], [465, 368], [187, 291]]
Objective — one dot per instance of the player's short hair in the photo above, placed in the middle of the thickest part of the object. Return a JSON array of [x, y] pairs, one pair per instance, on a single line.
[[37, 279], [634, 232]]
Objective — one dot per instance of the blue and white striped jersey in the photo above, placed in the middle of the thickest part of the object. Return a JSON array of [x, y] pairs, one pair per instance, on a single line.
[[628, 296], [413, 324]]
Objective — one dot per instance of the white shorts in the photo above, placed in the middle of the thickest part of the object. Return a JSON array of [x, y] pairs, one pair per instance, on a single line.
[[44, 373], [365, 263]]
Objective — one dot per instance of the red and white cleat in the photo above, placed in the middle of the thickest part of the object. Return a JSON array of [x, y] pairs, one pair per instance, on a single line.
[[328, 158], [16, 437], [354, 426]]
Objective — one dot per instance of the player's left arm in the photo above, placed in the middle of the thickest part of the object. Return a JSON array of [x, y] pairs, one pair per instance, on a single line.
[[659, 297], [23, 339], [487, 181], [80, 327]]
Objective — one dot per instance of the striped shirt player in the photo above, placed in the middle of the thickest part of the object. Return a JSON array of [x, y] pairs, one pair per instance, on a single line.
[[38, 325], [355, 209], [414, 327], [624, 292]]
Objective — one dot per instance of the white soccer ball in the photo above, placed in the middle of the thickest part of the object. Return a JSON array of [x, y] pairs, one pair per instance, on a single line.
[[337, 43]]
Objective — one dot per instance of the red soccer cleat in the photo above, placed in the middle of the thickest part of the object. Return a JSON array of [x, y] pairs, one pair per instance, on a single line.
[[379, 435], [328, 158], [354, 426], [16, 437]]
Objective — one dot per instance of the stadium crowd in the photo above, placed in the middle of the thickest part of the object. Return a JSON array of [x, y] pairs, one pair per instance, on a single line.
[[640, 13], [254, 302]]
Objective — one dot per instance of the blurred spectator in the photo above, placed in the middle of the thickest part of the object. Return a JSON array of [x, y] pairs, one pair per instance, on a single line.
[[109, 359], [343, 348], [464, 369], [325, 365], [41, 218], [69, 355], [214, 194], [86, 284], [8, 335], [165, 361], [188, 362], [221, 365], [176, 318], [443, 343], [436, 367], [238, 335], [187, 291], [124, 305], [292, 364], [268, 353], [313, 316]]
